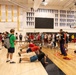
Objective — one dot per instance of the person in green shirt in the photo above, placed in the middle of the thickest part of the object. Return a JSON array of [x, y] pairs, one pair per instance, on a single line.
[[11, 50]]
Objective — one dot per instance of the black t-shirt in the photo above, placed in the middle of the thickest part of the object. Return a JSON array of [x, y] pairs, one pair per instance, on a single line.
[[40, 56], [62, 38]]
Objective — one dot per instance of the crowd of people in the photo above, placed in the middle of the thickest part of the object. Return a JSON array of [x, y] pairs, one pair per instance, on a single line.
[[35, 43]]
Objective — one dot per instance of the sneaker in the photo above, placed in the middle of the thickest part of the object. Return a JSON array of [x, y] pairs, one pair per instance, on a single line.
[[20, 60], [65, 54], [61, 54], [19, 54], [7, 61], [12, 62], [75, 51], [66, 58]]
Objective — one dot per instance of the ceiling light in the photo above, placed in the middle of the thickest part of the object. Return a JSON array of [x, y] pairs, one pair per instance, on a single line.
[[44, 2], [61, 0]]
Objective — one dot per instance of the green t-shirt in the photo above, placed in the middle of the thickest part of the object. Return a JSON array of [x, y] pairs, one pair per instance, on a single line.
[[12, 39]]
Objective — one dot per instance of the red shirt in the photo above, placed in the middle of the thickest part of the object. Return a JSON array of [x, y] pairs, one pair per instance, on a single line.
[[31, 37], [35, 48], [39, 37], [31, 45]]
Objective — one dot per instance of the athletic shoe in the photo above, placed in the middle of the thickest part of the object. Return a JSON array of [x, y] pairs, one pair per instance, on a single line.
[[12, 62], [66, 58], [19, 54], [20, 60], [75, 51], [65, 54], [7, 61], [61, 54]]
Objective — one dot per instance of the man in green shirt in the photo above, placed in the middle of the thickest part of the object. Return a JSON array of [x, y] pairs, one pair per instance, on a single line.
[[11, 50]]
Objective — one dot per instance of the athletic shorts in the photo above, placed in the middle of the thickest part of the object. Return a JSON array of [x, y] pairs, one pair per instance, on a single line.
[[20, 39], [29, 50], [66, 41], [11, 50], [2, 41], [33, 58]]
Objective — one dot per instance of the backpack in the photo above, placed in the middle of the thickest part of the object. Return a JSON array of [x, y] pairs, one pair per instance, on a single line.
[[7, 42]]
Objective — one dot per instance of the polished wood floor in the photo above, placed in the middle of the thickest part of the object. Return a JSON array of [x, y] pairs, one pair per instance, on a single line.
[[36, 68], [67, 66], [24, 68]]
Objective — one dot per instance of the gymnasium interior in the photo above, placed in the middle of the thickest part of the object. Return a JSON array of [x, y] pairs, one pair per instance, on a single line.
[[36, 18]]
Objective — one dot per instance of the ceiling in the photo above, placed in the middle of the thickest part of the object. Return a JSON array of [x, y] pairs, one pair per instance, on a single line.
[[54, 4]]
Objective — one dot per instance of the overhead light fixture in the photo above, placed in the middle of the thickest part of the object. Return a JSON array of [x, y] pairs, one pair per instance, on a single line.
[[61, 0], [9, 0], [44, 2]]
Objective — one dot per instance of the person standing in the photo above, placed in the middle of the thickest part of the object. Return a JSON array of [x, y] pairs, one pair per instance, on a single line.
[[16, 35], [0, 40], [11, 50], [62, 42], [20, 37]]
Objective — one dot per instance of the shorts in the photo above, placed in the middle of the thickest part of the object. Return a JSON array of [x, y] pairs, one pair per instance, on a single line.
[[20, 38], [66, 41], [16, 38], [2, 41], [29, 50], [33, 58], [11, 50]]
